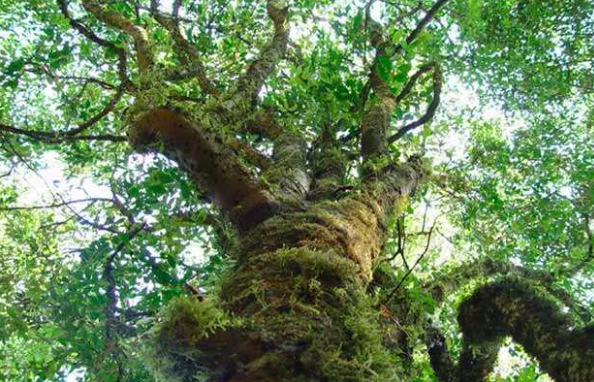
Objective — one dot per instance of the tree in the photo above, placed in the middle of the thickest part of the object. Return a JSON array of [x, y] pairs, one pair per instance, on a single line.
[[294, 141]]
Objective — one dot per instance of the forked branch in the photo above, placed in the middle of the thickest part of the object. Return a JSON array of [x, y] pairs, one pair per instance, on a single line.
[[187, 53]]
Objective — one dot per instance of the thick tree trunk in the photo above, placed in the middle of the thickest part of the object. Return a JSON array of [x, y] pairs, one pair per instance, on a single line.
[[296, 301], [295, 306]]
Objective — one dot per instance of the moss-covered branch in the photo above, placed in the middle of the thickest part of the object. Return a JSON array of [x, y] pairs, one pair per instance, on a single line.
[[328, 164], [288, 173], [377, 117], [209, 162], [515, 308], [475, 364], [450, 280]]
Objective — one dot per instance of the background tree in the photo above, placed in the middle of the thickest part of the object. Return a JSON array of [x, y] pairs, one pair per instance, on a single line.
[[296, 191]]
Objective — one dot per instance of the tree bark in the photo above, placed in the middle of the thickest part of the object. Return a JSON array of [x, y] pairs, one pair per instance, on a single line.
[[295, 306]]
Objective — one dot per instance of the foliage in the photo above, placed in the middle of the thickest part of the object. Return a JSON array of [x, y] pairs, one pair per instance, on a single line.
[[96, 239]]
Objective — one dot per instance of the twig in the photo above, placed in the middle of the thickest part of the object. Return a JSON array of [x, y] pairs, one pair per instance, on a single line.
[[427, 245], [431, 109]]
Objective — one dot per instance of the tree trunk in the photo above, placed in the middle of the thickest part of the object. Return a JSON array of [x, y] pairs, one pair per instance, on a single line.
[[295, 306]]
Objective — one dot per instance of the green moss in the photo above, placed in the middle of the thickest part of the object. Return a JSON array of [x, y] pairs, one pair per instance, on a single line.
[[184, 325], [312, 304], [512, 307], [304, 311], [186, 320]]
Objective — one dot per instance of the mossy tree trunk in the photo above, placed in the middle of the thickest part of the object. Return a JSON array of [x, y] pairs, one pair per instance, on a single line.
[[297, 305]]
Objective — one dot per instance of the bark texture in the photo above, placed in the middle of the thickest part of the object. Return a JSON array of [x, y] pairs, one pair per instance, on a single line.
[[297, 297]]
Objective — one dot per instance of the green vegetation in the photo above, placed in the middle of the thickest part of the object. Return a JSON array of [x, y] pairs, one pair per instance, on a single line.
[[296, 190]]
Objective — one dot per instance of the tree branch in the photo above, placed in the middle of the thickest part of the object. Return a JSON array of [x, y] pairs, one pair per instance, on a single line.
[[431, 109], [511, 307], [209, 162], [475, 362], [121, 53], [417, 262], [250, 83], [188, 54], [421, 25], [55, 205], [59, 137], [139, 35], [246, 150]]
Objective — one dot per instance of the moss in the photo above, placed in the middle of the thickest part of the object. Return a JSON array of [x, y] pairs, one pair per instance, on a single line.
[[524, 312], [186, 320], [312, 305], [352, 227], [184, 326]]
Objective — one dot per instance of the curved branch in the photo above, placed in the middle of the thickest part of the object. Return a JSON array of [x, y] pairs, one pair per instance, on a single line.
[[431, 109], [514, 308], [55, 137], [410, 84], [138, 34]]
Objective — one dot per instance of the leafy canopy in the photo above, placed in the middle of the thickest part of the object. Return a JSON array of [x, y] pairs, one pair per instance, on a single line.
[[91, 232]]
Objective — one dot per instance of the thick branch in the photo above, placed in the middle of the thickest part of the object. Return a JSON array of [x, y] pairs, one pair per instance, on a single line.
[[328, 164], [213, 167], [289, 171], [376, 120], [448, 282], [264, 125], [246, 150], [514, 308], [138, 34]]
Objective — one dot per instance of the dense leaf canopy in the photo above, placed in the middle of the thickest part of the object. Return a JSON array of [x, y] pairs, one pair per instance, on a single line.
[[96, 238]]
